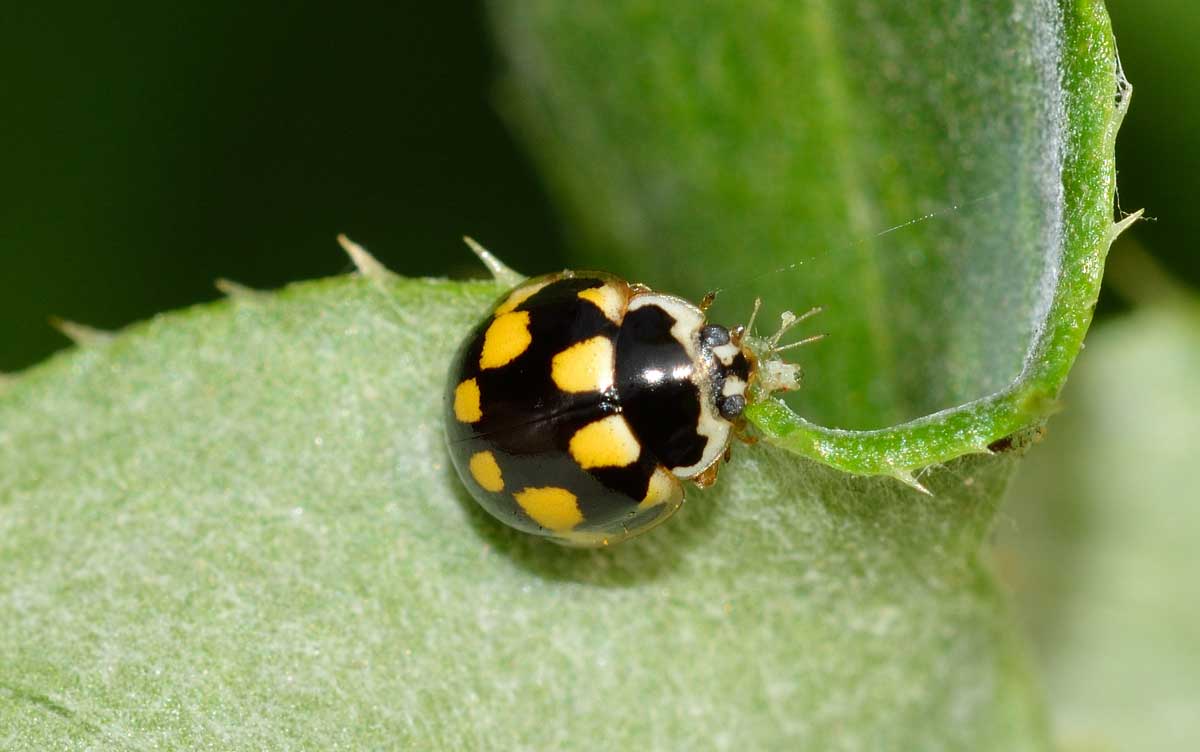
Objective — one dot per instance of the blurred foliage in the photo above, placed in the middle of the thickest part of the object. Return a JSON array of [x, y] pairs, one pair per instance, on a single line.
[[1099, 539], [150, 149], [1158, 155]]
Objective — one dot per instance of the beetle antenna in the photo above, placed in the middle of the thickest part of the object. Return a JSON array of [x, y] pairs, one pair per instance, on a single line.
[[800, 343], [788, 321], [753, 316]]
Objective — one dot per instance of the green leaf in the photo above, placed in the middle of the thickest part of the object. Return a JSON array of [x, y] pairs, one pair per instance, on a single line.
[[237, 527], [1100, 546], [700, 148]]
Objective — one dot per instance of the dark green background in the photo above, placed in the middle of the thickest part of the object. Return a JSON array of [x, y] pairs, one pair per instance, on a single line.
[[147, 151]]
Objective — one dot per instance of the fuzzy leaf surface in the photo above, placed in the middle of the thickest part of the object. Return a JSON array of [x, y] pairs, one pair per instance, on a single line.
[[237, 527]]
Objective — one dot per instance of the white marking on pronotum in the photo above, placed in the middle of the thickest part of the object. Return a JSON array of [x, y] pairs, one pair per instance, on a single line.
[[501, 272], [733, 385], [725, 353], [367, 265], [81, 334], [686, 331]]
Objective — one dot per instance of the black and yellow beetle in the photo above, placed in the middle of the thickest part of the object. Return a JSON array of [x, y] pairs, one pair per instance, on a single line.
[[579, 405]]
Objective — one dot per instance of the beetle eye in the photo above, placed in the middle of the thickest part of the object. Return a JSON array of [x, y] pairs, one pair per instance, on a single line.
[[714, 335], [732, 406]]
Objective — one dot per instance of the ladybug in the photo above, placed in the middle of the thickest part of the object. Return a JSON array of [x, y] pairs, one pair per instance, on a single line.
[[580, 405]]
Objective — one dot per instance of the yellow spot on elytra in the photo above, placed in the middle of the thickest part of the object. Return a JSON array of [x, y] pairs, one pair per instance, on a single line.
[[552, 508], [607, 442], [505, 339], [664, 488], [486, 472], [587, 366], [519, 296], [608, 299], [466, 402]]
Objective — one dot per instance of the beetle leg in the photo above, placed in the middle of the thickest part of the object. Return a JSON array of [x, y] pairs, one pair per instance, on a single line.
[[708, 477], [741, 430]]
